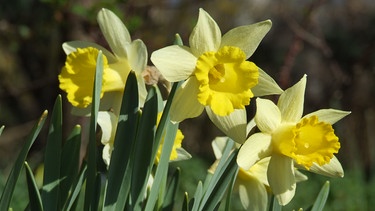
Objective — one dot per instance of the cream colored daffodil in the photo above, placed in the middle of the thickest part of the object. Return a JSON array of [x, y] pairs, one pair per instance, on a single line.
[[291, 140], [77, 76], [217, 73], [251, 185]]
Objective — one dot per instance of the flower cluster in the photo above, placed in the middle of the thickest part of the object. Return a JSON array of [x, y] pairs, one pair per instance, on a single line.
[[218, 77]]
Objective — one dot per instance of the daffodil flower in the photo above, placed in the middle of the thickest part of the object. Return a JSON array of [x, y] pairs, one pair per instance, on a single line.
[[77, 76], [289, 139], [217, 73]]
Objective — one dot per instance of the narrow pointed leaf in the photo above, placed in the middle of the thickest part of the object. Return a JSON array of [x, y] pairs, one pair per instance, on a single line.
[[322, 198], [91, 147], [170, 196], [119, 172], [16, 170], [143, 147], [52, 158], [197, 196], [70, 163], [76, 188], [35, 200]]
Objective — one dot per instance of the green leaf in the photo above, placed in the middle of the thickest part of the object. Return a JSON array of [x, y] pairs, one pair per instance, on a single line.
[[170, 196], [220, 183], [52, 158], [70, 158], [143, 148], [185, 203], [198, 196], [320, 201], [91, 147], [35, 200], [275, 205], [16, 170], [119, 172], [76, 188]]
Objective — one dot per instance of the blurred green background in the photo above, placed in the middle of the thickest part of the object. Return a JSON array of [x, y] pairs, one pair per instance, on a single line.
[[332, 41]]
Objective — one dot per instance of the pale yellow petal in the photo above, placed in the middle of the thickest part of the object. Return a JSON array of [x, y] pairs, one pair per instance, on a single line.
[[331, 169], [206, 35], [114, 31], [108, 124], [266, 85], [137, 56], [291, 102], [330, 116], [253, 195], [232, 125], [267, 116], [256, 147], [72, 46], [281, 178], [185, 103], [175, 62], [247, 37], [259, 170]]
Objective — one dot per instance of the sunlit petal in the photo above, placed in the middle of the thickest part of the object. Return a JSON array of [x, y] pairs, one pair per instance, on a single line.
[[108, 124], [185, 104], [206, 35], [267, 116], [291, 102], [175, 62], [330, 116], [281, 178], [72, 46], [233, 125], [266, 85], [253, 195], [331, 169], [137, 56], [114, 31], [256, 147], [247, 37]]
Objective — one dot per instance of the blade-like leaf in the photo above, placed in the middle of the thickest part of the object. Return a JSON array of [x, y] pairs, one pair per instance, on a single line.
[[76, 188], [170, 196], [69, 163], [320, 201], [143, 147], [198, 196], [119, 172], [52, 158], [35, 200], [214, 196], [91, 147], [14, 174]]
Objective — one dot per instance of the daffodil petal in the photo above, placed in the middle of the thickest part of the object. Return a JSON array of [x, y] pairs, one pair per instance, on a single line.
[[185, 103], [175, 62], [108, 124], [259, 170], [331, 169], [299, 176], [232, 125], [253, 195], [330, 116], [72, 46], [250, 126], [291, 102], [137, 55], [281, 178], [206, 35], [114, 31], [106, 154], [266, 85], [142, 91], [182, 154], [256, 147], [110, 101], [267, 116], [218, 145], [247, 37]]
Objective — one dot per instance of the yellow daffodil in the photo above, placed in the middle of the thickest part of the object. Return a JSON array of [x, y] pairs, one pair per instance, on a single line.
[[77, 76], [217, 73], [178, 153], [288, 138]]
